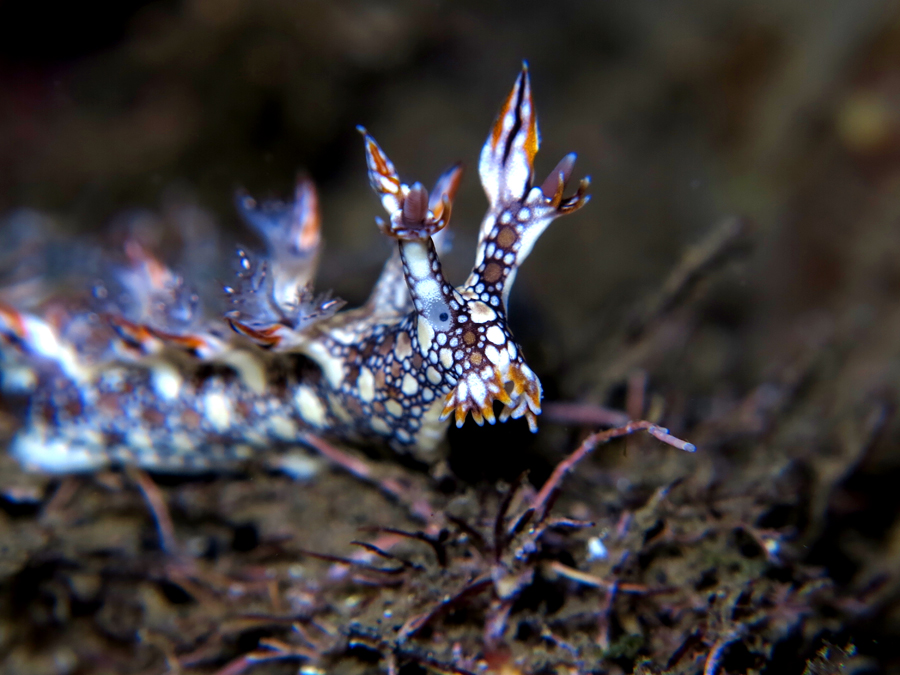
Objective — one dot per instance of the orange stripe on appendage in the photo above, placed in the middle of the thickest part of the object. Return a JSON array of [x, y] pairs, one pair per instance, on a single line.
[[381, 162], [133, 331], [455, 182], [497, 131], [187, 341], [560, 188], [265, 335], [531, 140], [312, 223], [14, 321]]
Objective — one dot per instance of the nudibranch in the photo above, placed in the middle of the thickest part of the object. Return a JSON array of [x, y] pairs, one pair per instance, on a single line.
[[151, 382]]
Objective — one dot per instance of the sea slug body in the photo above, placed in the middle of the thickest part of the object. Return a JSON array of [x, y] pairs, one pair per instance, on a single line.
[[158, 386]]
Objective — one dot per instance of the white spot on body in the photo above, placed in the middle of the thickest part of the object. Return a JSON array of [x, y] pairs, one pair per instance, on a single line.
[[218, 410], [462, 391], [417, 262], [446, 358], [403, 349], [139, 438], [309, 406], [299, 465], [344, 336], [42, 338], [495, 335], [55, 455], [365, 385], [425, 334], [477, 390], [492, 354], [182, 442], [481, 313], [283, 428], [394, 408], [166, 380], [249, 368], [379, 425], [409, 386]]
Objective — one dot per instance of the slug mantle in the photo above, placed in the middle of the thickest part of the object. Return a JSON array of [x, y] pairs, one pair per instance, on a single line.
[[157, 386]]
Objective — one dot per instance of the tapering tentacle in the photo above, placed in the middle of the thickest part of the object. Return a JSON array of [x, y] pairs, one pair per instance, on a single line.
[[292, 232], [464, 331], [414, 216], [273, 301], [390, 296], [507, 158], [519, 212]]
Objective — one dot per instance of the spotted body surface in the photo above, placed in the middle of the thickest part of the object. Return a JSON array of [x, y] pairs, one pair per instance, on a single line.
[[179, 393]]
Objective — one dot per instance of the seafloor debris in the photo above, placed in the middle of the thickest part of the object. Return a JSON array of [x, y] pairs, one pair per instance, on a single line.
[[480, 580]]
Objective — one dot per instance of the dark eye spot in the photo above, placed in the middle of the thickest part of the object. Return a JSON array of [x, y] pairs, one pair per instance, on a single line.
[[438, 315]]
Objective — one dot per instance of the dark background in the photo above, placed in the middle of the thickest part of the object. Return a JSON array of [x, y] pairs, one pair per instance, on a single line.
[[681, 112], [786, 114]]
